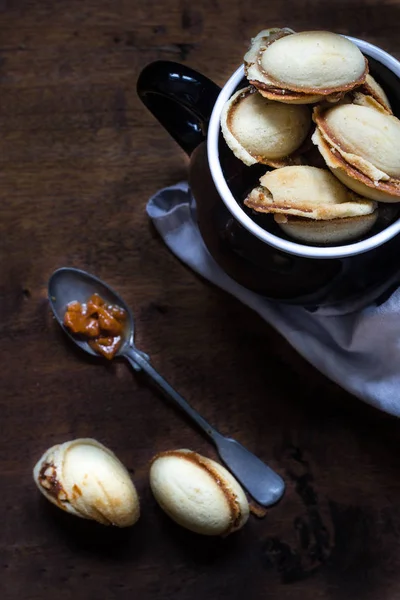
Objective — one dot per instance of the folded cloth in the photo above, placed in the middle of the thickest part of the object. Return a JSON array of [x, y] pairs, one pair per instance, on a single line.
[[357, 346]]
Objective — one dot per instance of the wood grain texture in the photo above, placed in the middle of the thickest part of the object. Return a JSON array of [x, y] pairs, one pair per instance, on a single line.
[[79, 157]]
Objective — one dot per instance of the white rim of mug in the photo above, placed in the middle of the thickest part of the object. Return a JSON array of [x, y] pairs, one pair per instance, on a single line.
[[236, 210]]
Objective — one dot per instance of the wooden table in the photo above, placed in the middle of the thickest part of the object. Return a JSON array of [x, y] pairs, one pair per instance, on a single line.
[[80, 156]]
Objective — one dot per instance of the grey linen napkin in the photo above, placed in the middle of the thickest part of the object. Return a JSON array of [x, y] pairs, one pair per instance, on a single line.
[[357, 346]]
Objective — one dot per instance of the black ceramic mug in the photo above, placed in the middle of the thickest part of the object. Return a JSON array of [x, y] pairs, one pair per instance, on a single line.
[[249, 246]]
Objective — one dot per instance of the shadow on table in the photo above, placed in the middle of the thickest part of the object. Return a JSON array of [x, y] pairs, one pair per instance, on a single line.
[[88, 537], [196, 548]]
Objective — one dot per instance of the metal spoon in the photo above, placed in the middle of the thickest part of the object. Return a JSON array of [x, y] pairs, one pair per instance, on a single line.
[[66, 285]]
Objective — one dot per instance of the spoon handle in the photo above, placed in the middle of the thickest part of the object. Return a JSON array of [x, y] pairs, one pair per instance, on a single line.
[[260, 481], [136, 358], [266, 486]]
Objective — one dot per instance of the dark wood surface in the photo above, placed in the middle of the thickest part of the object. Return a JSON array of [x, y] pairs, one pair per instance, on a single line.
[[79, 158]]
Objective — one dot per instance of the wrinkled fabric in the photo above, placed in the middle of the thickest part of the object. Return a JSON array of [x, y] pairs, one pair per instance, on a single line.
[[357, 347]]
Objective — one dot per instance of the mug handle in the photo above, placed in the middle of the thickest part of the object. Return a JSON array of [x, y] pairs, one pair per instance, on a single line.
[[180, 98]]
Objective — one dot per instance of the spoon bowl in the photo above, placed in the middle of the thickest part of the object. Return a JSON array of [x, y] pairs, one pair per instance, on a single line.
[[68, 285]]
